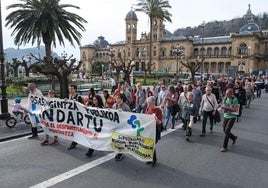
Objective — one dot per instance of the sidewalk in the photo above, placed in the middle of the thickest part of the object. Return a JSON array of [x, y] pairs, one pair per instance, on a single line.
[[20, 129]]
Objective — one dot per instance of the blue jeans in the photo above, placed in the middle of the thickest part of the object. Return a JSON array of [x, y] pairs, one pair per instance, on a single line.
[[167, 116], [249, 98], [258, 92]]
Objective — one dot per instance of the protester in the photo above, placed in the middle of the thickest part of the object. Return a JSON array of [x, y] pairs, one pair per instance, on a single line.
[[113, 84], [91, 94], [208, 108], [51, 94], [109, 100], [182, 99], [127, 94], [140, 99], [120, 105], [74, 96], [153, 109], [149, 92], [179, 88], [197, 96], [98, 103], [189, 114], [162, 94], [33, 91], [155, 90], [230, 105], [169, 101], [240, 94], [259, 86], [133, 97]]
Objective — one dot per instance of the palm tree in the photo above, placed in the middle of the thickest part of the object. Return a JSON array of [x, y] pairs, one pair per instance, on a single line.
[[155, 9], [45, 21]]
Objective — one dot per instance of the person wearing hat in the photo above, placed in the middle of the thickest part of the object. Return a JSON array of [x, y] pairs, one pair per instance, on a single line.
[[17, 108]]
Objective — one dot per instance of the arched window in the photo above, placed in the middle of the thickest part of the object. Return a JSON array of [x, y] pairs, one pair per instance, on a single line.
[[216, 51], [202, 51], [195, 52], [209, 52], [243, 49], [223, 51], [230, 51]]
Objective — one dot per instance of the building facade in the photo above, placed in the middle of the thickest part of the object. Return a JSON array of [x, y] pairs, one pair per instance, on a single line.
[[245, 51]]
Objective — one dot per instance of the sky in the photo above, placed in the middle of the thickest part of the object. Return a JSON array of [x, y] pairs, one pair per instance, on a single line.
[[107, 18]]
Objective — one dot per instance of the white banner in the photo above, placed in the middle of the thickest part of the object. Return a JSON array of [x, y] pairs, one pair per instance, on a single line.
[[100, 129]]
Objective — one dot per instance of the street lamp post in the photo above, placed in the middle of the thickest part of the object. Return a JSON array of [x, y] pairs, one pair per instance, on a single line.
[[102, 70], [202, 51], [4, 101], [132, 64], [178, 51]]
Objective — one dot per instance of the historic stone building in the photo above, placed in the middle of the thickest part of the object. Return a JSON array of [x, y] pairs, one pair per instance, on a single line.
[[245, 51]]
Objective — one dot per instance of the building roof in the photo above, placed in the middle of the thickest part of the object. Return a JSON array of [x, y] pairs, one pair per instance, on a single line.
[[251, 26], [131, 15], [101, 43], [211, 40], [167, 33]]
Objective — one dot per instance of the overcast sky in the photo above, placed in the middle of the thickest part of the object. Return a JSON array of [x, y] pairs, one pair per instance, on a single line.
[[107, 17]]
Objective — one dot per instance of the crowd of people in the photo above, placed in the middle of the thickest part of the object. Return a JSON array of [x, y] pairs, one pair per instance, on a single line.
[[187, 103]]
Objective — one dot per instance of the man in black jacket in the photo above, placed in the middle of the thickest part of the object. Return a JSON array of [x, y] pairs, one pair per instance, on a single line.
[[74, 96], [240, 94]]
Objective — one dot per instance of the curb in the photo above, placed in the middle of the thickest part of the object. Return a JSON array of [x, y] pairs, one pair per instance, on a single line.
[[18, 136]]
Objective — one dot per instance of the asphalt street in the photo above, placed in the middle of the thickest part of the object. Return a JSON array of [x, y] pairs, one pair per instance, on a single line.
[[194, 164]]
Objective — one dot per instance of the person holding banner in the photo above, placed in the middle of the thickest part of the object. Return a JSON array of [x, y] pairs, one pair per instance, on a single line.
[[120, 105], [157, 112], [74, 96], [50, 94], [98, 103], [33, 91]]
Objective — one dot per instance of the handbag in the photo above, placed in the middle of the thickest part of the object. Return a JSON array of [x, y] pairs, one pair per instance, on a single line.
[[175, 109], [217, 115]]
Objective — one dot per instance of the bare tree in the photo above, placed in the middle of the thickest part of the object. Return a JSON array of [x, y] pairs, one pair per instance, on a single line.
[[192, 66], [15, 65], [61, 68]]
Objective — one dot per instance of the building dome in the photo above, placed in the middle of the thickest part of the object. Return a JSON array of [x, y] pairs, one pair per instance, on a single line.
[[167, 33], [101, 43], [131, 15], [251, 26]]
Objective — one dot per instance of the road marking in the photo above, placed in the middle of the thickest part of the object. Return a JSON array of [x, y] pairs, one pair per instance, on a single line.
[[73, 172], [85, 167]]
